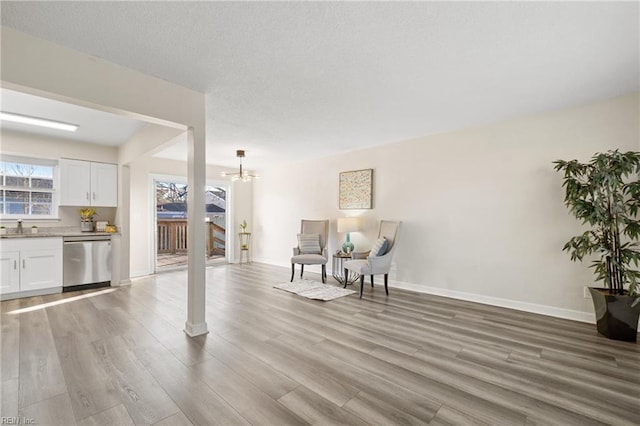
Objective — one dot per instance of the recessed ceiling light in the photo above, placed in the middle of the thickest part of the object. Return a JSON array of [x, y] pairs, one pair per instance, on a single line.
[[34, 121]]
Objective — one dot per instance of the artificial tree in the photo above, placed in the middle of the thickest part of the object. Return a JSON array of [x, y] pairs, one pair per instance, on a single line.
[[605, 195]]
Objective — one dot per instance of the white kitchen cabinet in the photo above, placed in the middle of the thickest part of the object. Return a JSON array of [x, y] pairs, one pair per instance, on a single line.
[[75, 182], [104, 185], [86, 183], [40, 269], [30, 266], [9, 271]]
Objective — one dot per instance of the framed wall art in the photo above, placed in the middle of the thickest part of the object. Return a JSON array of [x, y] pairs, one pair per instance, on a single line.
[[356, 190]]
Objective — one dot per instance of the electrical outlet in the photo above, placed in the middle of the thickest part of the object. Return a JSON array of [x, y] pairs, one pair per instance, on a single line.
[[587, 294]]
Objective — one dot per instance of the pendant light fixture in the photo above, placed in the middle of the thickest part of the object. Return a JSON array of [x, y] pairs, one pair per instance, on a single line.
[[240, 175]]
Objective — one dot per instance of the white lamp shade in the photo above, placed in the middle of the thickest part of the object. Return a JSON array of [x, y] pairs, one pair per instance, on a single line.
[[348, 224]]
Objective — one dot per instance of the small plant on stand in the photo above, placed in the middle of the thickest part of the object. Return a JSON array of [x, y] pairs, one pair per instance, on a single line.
[[243, 230]]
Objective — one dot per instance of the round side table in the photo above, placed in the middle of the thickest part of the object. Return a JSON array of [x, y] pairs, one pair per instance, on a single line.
[[337, 268]]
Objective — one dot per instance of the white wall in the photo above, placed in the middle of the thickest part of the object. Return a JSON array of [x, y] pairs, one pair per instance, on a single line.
[[142, 208], [21, 144], [39, 67], [16, 143], [148, 140], [482, 209]]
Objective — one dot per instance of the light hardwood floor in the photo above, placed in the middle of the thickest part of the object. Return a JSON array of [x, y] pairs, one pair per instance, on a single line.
[[119, 356]]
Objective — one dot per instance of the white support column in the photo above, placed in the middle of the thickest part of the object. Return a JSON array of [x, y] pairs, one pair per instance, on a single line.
[[196, 178], [120, 274]]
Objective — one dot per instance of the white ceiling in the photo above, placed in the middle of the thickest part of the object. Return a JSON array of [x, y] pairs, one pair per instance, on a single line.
[[95, 126], [288, 81]]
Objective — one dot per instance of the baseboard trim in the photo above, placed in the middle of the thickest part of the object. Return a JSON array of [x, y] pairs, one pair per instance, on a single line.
[[193, 330], [271, 262], [552, 311], [30, 293], [138, 274]]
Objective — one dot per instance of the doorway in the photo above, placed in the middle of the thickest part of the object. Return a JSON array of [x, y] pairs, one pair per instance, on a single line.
[[170, 223]]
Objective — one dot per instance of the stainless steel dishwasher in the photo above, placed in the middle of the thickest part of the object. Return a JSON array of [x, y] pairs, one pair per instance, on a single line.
[[86, 262]]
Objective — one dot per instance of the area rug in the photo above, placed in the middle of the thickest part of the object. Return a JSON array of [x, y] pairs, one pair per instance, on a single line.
[[314, 290]]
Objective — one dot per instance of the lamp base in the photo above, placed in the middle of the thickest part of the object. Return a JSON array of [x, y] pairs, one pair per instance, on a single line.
[[347, 246]]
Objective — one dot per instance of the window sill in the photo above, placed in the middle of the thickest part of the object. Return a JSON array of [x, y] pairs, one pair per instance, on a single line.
[[4, 219]]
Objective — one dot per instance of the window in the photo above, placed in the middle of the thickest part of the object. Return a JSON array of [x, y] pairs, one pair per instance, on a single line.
[[28, 188]]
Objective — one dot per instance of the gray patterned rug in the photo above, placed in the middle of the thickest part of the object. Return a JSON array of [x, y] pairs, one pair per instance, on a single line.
[[314, 290]]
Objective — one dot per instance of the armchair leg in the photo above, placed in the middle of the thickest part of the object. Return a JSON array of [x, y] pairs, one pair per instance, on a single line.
[[386, 279], [301, 269], [346, 277], [324, 273], [361, 285], [293, 270], [371, 281]]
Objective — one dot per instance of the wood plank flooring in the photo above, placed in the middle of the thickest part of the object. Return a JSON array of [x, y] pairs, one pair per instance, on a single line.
[[119, 356], [171, 261]]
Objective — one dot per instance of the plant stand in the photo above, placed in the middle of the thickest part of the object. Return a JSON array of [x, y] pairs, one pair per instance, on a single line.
[[245, 245], [615, 317]]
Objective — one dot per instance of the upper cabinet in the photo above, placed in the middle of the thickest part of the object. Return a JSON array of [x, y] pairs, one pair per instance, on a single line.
[[85, 183], [104, 185], [75, 182]]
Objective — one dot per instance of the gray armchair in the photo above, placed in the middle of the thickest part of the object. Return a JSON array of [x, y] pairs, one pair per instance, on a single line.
[[364, 263], [311, 250]]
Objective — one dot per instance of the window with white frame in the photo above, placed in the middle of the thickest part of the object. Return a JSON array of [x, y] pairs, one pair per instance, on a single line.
[[28, 188]]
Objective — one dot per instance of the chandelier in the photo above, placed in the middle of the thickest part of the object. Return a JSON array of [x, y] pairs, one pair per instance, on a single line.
[[240, 175]]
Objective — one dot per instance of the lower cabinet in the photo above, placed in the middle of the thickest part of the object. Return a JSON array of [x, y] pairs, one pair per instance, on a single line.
[[9, 271], [30, 266]]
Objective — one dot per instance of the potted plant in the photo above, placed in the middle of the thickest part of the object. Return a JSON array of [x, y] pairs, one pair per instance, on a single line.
[[3, 229], [86, 219], [605, 195], [34, 229]]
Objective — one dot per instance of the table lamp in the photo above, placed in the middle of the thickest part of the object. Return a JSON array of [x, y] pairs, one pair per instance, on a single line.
[[348, 224]]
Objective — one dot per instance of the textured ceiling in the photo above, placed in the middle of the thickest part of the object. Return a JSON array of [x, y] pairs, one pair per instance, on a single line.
[[288, 81]]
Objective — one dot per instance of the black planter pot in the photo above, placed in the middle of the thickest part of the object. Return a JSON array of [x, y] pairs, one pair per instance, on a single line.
[[615, 317]]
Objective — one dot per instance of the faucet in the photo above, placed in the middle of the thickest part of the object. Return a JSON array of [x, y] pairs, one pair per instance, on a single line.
[[19, 230]]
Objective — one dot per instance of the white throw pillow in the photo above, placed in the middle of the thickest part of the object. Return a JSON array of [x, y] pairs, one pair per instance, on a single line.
[[309, 243], [379, 247]]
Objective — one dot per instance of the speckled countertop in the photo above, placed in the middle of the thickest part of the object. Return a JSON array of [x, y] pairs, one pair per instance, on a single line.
[[43, 232]]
